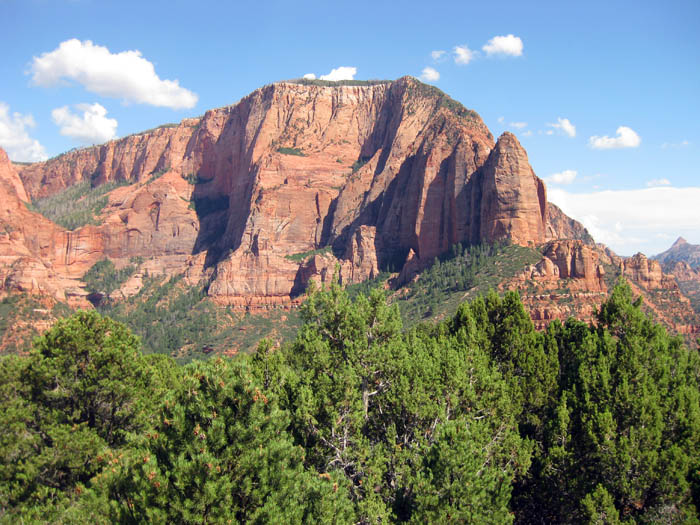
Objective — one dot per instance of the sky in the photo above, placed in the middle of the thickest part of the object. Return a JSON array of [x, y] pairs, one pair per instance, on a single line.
[[603, 95]]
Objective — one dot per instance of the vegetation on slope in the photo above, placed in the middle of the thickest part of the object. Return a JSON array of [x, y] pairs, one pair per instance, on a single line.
[[417, 89], [19, 316], [181, 321], [479, 419], [333, 83], [302, 256], [76, 205], [459, 274], [291, 151], [104, 277]]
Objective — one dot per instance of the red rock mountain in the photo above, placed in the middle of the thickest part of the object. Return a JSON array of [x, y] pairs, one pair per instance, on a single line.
[[387, 174]]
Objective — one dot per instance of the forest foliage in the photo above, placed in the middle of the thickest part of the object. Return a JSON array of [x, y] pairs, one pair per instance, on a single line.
[[477, 419]]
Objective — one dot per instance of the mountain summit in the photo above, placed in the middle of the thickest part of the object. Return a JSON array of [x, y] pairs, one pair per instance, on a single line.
[[681, 251]]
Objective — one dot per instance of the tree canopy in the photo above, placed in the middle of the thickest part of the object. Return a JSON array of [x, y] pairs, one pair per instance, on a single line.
[[477, 419]]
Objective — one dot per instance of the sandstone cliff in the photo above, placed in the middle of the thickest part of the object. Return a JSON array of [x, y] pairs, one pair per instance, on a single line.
[[296, 182]]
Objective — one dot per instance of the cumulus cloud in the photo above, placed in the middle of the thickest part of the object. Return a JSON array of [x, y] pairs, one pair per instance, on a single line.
[[125, 75], [15, 139], [340, 73], [430, 75], [463, 55], [509, 45], [518, 125], [658, 182], [438, 55], [310, 76], [564, 177], [626, 138], [90, 127], [565, 126], [634, 220]]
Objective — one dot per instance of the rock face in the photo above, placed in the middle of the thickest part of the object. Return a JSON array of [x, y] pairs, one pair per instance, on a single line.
[[131, 158], [560, 226], [34, 253], [514, 202], [568, 260], [298, 182]]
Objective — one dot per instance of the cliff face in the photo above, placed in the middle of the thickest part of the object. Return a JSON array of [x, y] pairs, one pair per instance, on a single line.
[[131, 158], [514, 203], [384, 176], [34, 252]]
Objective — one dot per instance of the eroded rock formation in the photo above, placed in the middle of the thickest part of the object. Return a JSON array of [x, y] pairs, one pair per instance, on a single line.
[[251, 197]]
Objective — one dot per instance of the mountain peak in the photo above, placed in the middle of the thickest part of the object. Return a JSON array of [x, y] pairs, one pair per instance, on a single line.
[[679, 242]]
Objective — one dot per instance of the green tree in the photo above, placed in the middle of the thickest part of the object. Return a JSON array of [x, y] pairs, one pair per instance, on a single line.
[[625, 435], [393, 413], [219, 453], [84, 388]]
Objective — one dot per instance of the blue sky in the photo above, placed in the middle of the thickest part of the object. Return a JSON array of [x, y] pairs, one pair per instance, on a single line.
[[604, 96]]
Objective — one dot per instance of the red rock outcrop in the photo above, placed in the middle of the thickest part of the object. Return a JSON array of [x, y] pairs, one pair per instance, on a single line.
[[573, 261], [570, 281], [646, 273], [514, 202]]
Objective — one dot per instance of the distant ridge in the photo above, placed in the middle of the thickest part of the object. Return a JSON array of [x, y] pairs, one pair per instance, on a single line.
[[680, 251]]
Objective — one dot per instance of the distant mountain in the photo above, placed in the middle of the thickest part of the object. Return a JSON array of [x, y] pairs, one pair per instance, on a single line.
[[681, 251]]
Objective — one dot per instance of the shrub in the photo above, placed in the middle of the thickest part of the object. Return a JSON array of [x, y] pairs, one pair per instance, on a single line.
[[291, 151]]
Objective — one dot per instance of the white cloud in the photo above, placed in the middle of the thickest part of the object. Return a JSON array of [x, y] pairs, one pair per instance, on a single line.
[[565, 126], [92, 127], [626, 138], [430, 75], [501, 120], [528, 133], [674, 145], [437, 55], [15, 139], [463, 55], [126, 75], [589, 178], [310, 76], [564, 177], [340, 73], [518, 125], [658, 182], [634, 220], [509, 45]]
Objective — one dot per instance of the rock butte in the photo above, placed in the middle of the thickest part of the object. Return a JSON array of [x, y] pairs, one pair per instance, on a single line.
[[389, 175]]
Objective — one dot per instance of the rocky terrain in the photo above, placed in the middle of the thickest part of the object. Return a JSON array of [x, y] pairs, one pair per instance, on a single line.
[[298, 181], [682, 260]]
